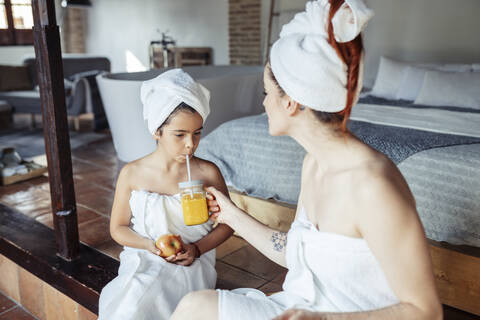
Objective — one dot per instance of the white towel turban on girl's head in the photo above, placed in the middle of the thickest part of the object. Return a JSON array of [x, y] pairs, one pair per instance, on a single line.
[[161, 95], [306, 66]]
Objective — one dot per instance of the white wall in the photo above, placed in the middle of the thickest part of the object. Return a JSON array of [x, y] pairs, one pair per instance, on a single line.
[[410, 30], [117, 26], [422, 31]]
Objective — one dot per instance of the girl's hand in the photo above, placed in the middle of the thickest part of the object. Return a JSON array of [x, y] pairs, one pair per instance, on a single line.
[[150, 246], [222, 208], [186, 257], [297, 314]]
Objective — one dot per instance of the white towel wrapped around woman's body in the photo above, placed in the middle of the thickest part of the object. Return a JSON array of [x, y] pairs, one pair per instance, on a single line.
[[148, 287], [327, 272]]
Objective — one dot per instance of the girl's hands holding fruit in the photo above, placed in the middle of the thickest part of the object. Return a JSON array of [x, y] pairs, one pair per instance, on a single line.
[[174, 250]]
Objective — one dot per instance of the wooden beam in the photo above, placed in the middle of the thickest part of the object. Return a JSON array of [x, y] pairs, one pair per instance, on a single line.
[[269, 32], [457, 274], [31, 245], [55, 127], [10, 23]]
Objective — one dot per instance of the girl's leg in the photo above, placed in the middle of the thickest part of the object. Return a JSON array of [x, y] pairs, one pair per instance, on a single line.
[[197, 305]]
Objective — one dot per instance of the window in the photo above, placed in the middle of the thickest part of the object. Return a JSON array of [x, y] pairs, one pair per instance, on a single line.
[[16, 22]]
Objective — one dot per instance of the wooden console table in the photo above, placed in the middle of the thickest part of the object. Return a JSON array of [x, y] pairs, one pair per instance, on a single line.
[[182, 56]]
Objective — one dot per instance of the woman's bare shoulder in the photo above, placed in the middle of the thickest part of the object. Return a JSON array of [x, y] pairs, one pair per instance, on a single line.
[[377, 167], [308, 164], [379, 178]]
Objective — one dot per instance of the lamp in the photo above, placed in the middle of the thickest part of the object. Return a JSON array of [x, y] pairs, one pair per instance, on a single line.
[[76, 3]]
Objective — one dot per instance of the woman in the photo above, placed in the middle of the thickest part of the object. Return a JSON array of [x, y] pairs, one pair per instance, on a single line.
[[356, 249]]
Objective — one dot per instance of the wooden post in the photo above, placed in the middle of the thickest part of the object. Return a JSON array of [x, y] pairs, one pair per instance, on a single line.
[[11, 30], [269, 34], [55, 127]]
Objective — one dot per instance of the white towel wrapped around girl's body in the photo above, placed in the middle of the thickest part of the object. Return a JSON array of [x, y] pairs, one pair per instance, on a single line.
[[327, 272], [147, 286]]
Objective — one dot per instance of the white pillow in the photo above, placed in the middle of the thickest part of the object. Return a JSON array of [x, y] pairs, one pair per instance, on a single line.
[[389, 77], [413, 77], [476, 67], [456, 89], [411, 83]]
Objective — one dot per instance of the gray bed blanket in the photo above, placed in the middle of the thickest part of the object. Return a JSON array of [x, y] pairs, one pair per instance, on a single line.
[[400, 143], [409, 104], [442, 170], [446, 185], [254, 162]]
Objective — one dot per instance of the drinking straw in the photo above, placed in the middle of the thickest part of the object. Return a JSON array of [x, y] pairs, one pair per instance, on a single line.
[[189, 176], [188, 168]]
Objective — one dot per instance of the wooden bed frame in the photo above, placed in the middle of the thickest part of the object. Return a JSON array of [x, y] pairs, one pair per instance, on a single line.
[[456, 268]]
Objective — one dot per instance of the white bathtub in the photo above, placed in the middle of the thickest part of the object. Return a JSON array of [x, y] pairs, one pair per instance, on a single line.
[[236, 91]]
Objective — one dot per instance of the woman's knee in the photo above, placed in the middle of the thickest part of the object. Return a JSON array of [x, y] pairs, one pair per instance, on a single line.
[[190, 306]]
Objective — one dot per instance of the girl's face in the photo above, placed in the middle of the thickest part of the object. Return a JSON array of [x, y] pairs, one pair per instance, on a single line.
[[181, 136], [274, 105]]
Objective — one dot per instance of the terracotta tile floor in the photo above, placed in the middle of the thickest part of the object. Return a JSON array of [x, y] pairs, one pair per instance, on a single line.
[[95, 168], [10, 310]]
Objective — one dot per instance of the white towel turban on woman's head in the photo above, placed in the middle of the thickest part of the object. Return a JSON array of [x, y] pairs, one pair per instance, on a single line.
[[304, 63], [161, 95]]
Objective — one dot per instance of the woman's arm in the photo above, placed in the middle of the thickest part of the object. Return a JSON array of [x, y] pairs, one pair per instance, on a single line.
[[269, 242], [120, 217], [390, 224]]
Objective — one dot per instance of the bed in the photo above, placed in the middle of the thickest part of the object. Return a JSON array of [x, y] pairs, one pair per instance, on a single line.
[[437, 149]]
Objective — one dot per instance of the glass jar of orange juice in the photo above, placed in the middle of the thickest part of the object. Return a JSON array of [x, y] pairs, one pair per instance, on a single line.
[[194, 202]]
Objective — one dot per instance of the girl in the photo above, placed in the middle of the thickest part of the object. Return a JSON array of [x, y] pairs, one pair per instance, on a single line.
[[147, 205]]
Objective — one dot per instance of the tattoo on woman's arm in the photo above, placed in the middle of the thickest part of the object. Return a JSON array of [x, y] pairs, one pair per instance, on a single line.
[[279, 240]]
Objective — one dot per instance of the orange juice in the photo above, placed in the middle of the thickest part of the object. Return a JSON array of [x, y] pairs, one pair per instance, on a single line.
[[194, 209]]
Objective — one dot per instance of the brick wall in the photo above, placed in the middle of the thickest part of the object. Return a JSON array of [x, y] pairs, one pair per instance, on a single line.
[[73, 30], [245, 32]]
